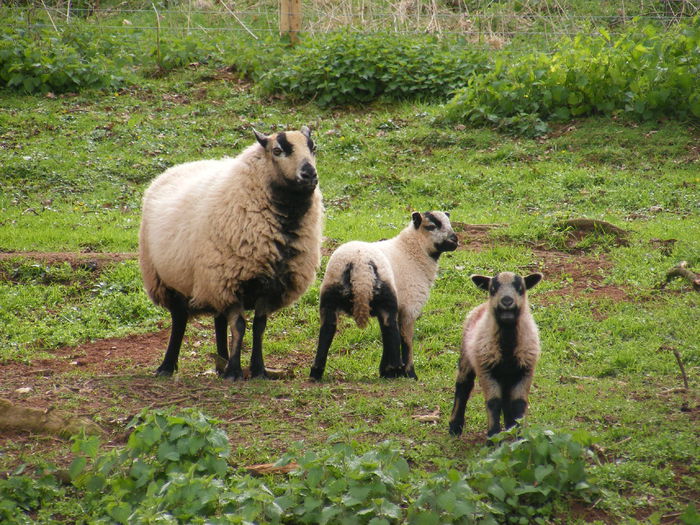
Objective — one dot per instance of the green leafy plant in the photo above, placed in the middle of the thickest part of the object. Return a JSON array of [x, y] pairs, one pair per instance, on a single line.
[[645, 73], [351, 68], [40, 61], [20, 494]]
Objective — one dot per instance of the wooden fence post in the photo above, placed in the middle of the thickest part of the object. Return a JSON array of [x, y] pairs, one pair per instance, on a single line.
[[290, 19]]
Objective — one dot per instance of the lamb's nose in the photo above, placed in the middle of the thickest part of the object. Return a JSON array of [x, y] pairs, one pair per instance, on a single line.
[[507, 302]]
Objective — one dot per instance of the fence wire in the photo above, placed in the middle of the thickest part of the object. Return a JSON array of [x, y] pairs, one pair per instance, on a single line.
[[482, 19]]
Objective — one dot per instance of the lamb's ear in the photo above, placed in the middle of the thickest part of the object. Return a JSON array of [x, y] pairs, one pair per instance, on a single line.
[[306, 131], [482, 281], [532, 279], [448, 214], [417, 219], [262, 139]]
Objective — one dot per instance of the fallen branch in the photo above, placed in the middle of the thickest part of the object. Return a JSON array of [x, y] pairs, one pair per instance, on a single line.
[[13, 417], [681, 270], [263, 469]]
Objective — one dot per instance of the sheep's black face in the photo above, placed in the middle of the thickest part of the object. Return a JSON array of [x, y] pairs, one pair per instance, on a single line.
[[437, 232], [293, 154], [507, 293]]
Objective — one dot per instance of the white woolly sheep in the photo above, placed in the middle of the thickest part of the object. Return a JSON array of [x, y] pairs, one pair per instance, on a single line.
[[500, 346], [390, 280], [225, 236]]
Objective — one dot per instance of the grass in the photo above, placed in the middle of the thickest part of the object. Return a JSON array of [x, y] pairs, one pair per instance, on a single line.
[[73, 169]]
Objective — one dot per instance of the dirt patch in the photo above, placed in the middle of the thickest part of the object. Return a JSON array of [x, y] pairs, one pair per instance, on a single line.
[[474, 237], [89, 260]]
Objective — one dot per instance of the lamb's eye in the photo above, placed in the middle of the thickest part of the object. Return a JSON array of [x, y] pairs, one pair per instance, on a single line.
[[277, 152]]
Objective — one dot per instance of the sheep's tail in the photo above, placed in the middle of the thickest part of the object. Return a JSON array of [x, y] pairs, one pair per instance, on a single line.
[[363, 278]]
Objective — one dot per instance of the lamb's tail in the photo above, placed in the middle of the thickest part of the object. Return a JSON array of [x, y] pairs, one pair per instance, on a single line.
[[364, 278]]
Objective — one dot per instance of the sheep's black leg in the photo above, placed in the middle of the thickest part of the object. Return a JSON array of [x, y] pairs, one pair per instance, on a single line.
[[233, 369], [329, 324], [390, 365], [494, 407], [513, 410], [178, 314], [221, 329], [257, 364], [463, 390]]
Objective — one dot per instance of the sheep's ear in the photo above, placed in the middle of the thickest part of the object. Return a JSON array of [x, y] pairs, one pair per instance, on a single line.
[[306, 131], [448, 214], [482, 281], [262, 139], [417, 219], [532, 279]]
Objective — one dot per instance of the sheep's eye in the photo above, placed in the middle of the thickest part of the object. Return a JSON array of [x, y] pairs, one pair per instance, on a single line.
[[277, 152]]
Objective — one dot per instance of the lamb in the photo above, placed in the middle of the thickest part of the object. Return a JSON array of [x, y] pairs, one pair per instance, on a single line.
[[390, 280], [225, 236], [501, 346]]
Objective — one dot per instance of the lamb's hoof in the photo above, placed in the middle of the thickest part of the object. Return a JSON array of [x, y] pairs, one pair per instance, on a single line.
[[233, 375], [456, 429], [259, 374], [390, 373], [411, 373], [164, 372], [316, 374]]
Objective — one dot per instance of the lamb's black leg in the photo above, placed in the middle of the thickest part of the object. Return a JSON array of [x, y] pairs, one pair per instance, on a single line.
[[178, 314], [494, 407], [233, 369], [513, 410], [221, 331], [463, 390], [390, 365], [257, 364], [329, 324]]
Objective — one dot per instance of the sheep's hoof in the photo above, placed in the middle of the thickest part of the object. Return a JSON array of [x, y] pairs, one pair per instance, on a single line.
[[410, 373], [164, 372], [456, 429], [316, 374], [390, 373]]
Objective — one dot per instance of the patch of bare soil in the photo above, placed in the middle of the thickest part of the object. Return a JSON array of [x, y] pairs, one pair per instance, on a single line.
[[87, 260], [580, 274]]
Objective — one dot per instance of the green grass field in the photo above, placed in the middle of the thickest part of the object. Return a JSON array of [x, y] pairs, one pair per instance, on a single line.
[[72, 171]]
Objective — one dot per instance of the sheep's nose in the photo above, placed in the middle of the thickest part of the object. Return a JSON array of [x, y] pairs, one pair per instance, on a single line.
[[453, 238], [307, 173], [507, 301]]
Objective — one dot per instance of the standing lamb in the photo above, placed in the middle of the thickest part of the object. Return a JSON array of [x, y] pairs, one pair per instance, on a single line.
[[388, 279], [500, 345], [225, 236]]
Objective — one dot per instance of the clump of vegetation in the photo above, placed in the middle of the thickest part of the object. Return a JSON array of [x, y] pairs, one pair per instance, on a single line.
[[174, 468], [646, 73], [40, 61], [351, 68]]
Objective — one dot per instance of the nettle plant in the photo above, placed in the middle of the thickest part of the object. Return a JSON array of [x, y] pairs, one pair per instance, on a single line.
[[39, 61], [645, 73], [351, 68], [174, 468]]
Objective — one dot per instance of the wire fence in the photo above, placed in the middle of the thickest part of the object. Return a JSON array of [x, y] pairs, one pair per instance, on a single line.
[[496, 21]]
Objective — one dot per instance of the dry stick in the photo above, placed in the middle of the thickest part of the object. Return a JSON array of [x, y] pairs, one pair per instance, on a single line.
[[50, 18], [680, 365], [238, 20]]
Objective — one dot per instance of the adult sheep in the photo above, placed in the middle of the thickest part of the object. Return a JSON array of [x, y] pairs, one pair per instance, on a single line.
[[388, 279], [225, 236], [500, 346]]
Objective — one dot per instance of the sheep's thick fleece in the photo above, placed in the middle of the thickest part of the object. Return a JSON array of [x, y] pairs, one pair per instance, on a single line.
[[210, 226]]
